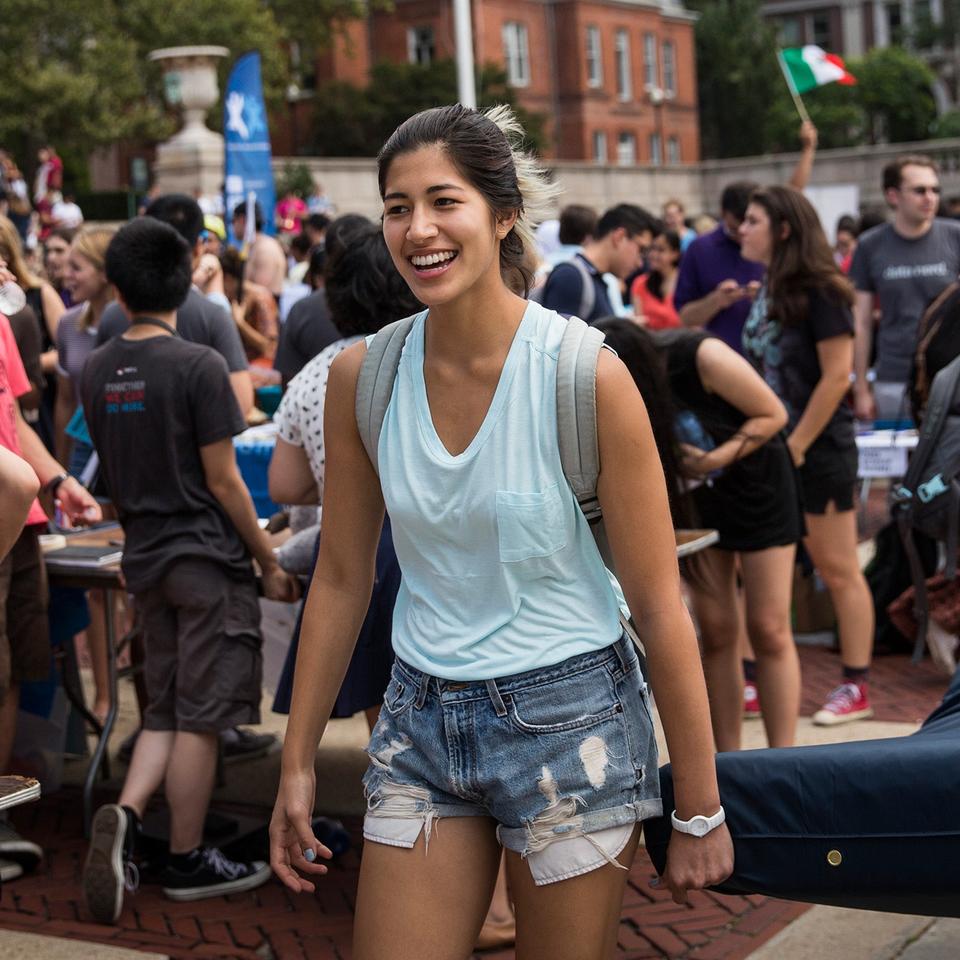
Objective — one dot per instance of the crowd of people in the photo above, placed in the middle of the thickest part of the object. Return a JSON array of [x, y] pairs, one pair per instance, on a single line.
[[501, 693]]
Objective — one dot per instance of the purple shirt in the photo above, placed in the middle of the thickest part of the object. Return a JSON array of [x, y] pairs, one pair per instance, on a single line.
[[709, 261]]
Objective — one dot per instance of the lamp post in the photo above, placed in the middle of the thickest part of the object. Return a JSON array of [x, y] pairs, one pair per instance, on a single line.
[[463, 40]]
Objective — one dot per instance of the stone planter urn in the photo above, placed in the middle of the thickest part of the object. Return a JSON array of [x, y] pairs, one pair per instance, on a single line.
[[192, 159]]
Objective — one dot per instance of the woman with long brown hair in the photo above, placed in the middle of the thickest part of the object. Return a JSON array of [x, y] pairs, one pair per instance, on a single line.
[[800, 334]]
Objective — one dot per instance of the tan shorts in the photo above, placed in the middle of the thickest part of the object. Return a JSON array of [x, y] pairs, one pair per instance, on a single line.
[[24, 629], [203, 665]]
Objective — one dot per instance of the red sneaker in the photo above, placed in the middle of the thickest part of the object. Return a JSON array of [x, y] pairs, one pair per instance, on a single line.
[[751, 703], [847, 702]]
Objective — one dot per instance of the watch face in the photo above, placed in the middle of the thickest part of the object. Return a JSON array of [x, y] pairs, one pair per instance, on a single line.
[[699, 826]]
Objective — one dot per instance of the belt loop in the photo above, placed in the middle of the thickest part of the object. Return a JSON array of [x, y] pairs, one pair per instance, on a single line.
[[423, 684], [621, 647], [494, 694]]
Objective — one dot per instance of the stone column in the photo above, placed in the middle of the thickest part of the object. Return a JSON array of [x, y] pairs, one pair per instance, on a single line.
[[191, 159]]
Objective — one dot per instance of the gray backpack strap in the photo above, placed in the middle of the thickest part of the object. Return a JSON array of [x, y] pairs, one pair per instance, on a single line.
[[577, 434], [588, 294], [375, 382]]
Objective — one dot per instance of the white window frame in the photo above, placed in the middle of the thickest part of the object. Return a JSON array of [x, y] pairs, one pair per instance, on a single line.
[[594, 57], [651, 72], [673, 150], [626, 149], [621, 55], [669, 68], [600, 154], [656, 150], [415, 37], [516, 53]]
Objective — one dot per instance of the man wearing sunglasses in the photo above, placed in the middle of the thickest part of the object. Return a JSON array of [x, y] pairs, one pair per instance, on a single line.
[[904, 265]]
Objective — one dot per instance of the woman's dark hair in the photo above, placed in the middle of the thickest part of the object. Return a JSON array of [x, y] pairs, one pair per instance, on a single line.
[[802, 259], [637, 349], [364, 290], [480, 146], [340, 233], [66, 234], [655, 280], [232, 265]]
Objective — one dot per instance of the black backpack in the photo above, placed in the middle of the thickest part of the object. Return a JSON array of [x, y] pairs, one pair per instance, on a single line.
[[928, 500]]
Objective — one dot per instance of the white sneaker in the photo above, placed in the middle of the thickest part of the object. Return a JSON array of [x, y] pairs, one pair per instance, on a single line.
[[943, 647]]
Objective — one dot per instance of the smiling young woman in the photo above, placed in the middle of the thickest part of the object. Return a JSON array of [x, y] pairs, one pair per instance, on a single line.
[[516, 712]]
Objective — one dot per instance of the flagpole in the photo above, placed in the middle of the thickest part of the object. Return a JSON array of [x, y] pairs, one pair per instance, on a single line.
[[798, 103]]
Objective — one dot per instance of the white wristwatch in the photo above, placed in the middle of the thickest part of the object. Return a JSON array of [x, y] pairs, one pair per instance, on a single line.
[[698, 826]]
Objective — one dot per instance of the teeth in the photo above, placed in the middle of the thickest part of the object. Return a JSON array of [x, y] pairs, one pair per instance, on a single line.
[[432, 258]]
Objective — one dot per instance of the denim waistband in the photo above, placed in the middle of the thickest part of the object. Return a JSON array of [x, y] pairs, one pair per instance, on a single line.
[[620, 653]]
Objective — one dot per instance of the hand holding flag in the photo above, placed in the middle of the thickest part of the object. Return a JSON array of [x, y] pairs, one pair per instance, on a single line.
[[806, 68]]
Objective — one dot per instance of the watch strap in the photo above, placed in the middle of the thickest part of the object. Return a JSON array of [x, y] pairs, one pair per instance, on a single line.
[[52, 485], [698, 826]]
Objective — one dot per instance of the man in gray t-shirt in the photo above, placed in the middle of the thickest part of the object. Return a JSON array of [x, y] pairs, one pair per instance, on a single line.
[[905, 265]]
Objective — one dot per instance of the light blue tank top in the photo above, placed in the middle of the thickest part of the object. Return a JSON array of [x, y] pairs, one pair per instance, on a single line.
[[500, 571]]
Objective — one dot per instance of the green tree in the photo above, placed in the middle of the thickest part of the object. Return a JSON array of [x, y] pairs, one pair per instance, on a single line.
[[76, 73], [354, 122], [743, 100], [895, 89]]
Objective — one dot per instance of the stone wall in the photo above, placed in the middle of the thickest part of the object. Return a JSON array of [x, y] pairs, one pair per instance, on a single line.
[[352, 183]]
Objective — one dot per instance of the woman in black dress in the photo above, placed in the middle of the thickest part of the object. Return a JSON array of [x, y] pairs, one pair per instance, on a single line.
[[800, 336]]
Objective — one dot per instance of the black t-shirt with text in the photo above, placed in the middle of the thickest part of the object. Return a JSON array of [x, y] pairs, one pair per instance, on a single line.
[[786, 356], [150, 406]]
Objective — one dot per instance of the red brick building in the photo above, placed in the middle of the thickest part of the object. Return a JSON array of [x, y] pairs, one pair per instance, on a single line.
[[616, 79]]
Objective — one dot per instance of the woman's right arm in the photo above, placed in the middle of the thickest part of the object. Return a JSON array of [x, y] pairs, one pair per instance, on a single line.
[[335, 608], [724, 372]]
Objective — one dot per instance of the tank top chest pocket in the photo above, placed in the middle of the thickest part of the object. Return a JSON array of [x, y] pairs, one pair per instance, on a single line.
[[530, 525]]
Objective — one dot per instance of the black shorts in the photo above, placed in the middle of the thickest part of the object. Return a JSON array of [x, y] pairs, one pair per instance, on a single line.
[[203, 665], [829, 475]]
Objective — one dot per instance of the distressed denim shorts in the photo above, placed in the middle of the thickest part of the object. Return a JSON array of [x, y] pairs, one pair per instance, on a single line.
[[562, 758]]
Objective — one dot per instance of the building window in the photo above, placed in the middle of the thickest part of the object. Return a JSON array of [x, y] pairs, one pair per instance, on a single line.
[[791, 32], [626, 149], [594, 58], [303, 66], [656, 150], [622, 53], [673, 150], [669, 68], [894, 13], [820, 29], [420, 45], [650, 72], [599, 146], [516, 54]]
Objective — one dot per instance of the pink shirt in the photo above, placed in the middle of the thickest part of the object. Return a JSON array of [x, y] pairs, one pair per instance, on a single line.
[[13, 384]]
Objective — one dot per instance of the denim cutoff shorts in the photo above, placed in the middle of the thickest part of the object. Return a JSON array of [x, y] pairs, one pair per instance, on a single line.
[[563, 758]]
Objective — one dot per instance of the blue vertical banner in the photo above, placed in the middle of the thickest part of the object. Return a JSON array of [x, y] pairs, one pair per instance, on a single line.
[[248, 167]]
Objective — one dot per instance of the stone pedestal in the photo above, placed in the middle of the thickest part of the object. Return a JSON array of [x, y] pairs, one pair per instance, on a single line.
[[191, 159]]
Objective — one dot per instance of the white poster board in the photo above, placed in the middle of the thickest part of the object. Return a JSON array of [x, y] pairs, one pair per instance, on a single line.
[[832, 202]]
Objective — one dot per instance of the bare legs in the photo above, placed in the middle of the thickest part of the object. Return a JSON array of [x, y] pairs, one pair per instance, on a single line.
[[831, 542], [413, 904], [767, 578], [187, 763]]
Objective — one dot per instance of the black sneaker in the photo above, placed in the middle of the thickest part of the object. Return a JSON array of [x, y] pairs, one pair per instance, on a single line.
[[213, 875], [109, 866]]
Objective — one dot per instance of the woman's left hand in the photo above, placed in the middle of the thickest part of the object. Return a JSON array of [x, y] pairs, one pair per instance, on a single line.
[[797, 453], [697, 862], [697, 462]]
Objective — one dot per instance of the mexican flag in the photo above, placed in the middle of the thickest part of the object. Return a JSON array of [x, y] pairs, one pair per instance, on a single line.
[[810, 66]]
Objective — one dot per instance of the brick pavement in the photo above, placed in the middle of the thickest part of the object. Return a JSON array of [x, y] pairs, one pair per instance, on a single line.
[[270, 923]]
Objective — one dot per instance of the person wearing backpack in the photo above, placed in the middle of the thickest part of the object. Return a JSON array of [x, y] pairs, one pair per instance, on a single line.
[[800, 335], [516, 711], [576, 287]]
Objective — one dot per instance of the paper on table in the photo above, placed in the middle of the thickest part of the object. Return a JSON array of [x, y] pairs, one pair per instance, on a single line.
[[15, 790]]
